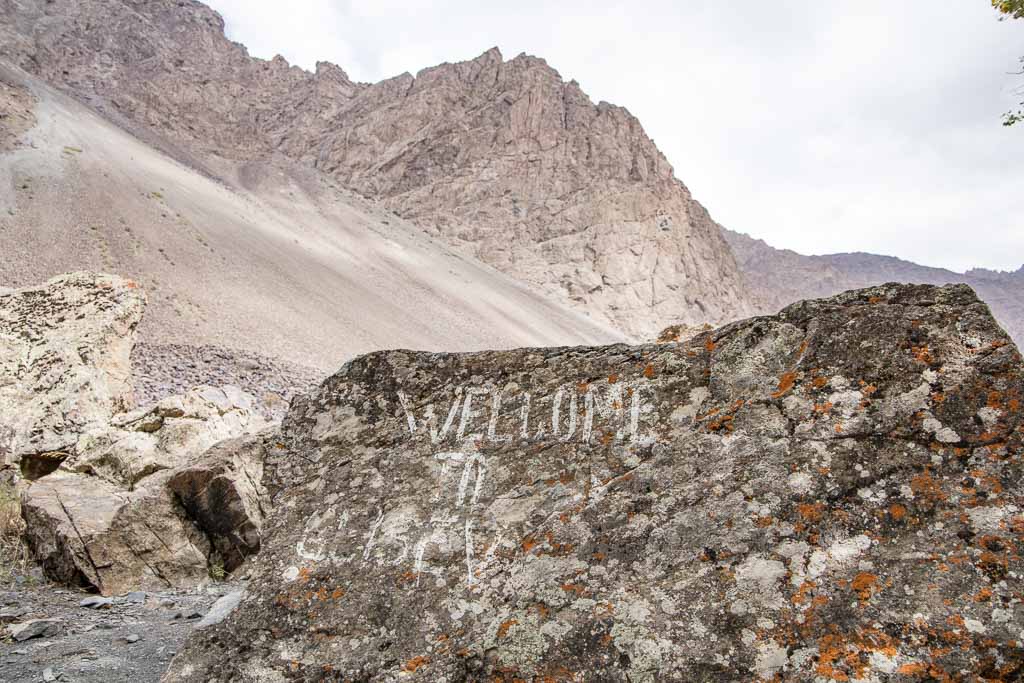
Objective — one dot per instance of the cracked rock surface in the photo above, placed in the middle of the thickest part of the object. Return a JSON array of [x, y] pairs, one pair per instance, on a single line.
[[64, 361], [831, 493], [110, 499]]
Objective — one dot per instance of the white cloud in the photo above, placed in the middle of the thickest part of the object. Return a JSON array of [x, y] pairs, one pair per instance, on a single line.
[[855, 125]]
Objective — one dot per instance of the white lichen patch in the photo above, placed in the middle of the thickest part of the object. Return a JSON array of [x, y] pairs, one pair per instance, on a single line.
[[757, 579], [942, 433]]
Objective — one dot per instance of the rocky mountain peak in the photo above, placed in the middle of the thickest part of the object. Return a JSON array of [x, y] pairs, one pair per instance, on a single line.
[[502, 159]]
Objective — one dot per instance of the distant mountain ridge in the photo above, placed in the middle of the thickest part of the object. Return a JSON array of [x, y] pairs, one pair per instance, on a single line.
[[502, 159], [779, 277]]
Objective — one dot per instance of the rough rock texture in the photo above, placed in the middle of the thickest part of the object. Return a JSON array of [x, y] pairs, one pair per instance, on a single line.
[[832, 493], [99, 511], [171, 530], [501, 158], [224, 494], [162, 370], [145, 503], [16, 115], [64, 360], [174, 432], [87, 532], [778, 277]]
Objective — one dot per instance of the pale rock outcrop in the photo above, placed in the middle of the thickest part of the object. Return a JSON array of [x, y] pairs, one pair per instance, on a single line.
[[98, 509], [64, 361], [146, 503], [777, 499], [170, 434], [16, 117]]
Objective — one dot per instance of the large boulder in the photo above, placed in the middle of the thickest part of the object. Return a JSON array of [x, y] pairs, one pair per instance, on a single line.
[[87, 532], [223, 493], [832, 493], [64, 361]]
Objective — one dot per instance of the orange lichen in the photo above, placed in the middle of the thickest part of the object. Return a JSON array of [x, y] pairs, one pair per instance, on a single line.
[[786, 383], [416, 663], [649, 371], [864, 585], [801, 596], [913, 669], [897, 512], [505, 626], [842, 657], [922, 354], [709, 345], [724, 422], [811, 512], [613, 378], [925, 486]]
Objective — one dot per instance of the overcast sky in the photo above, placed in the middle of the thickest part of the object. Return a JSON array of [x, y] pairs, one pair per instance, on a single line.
[[819, 126]]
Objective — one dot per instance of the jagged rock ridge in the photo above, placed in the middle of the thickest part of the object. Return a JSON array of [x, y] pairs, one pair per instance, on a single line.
[[502, 158], [277, 258], [831, 493], [779, 277]]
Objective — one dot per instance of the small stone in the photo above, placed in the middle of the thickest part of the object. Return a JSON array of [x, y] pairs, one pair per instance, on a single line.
[[189, 614], [221, 609], [12, 614], [131, 638], [37, 628], [150, 423], [96, 602], [48, 674], [136, 597]]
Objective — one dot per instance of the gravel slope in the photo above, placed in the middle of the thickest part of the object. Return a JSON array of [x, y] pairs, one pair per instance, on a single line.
[[270, 257]]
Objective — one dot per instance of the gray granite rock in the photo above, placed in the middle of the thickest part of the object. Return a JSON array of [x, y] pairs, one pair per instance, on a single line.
[[832, 493]]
